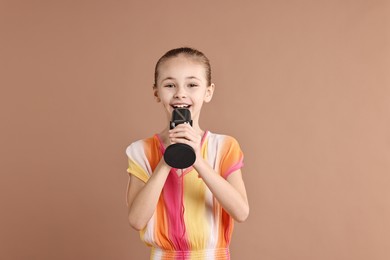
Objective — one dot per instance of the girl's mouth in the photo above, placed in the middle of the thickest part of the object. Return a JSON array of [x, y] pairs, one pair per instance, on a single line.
[[181, 106]]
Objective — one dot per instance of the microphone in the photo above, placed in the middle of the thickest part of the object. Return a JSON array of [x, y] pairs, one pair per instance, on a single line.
[[180, 156]]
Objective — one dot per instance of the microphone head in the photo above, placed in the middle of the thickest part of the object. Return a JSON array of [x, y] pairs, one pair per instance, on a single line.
[[180, 116]]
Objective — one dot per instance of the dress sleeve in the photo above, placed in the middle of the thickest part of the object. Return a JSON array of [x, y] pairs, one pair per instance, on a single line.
[[137, 162], [232, 157]]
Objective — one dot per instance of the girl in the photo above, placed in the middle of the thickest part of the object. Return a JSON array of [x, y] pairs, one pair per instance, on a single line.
[[189, 213]]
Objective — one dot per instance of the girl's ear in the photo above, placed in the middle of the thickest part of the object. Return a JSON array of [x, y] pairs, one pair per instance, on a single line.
[[209, 93], [155, 93]]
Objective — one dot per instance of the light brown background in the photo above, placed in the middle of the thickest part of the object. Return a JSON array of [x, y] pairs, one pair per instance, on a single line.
[[303, 86]]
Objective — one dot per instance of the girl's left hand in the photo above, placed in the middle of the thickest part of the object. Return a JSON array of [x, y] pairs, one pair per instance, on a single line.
[[185, 134]]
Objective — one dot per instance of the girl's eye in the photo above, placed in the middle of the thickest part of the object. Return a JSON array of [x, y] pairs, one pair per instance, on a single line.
[[192, 85], [169, 86]]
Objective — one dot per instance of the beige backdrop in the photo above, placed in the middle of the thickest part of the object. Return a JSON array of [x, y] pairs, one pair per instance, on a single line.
[[303, 85]]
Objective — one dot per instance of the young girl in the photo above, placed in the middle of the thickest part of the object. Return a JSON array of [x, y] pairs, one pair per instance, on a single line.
[[186, 213]]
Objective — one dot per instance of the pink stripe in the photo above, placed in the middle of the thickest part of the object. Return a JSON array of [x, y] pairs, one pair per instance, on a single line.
[[204, 137], [234, 168], [173, 197]]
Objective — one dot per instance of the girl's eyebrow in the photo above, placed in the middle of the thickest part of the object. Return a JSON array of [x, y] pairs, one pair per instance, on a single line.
[[192, 77], [169, 78], [172, 78]]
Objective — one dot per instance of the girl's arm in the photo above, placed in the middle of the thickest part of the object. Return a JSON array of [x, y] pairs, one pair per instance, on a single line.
[[230, 193], [142, 197]]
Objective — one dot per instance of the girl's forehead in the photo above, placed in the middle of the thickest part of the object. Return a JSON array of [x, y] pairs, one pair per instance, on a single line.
[[181, 65], [182, 60]]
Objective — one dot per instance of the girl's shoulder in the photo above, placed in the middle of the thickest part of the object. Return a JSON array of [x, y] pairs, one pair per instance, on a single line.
[[224, 138], [222, 143], [141, 145]]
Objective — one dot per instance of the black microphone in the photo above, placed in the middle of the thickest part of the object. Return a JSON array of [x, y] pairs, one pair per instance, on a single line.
[[180, 155]]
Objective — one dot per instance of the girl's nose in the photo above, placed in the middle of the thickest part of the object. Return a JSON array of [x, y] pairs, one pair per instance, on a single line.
[[180, 93]]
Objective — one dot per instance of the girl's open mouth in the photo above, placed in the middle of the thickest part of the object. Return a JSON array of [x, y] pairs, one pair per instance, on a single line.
[[180, 106]]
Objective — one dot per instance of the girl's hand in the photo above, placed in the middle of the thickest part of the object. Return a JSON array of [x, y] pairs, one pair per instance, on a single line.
[[185, 134]]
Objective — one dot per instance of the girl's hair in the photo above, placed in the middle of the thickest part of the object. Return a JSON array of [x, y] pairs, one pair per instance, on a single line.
[[189, 52]]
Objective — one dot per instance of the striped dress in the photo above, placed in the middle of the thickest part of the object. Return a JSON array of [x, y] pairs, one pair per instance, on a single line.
[[188, 222]]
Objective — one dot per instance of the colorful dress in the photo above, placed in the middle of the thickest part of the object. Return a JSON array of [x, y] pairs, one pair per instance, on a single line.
[[188, 222]]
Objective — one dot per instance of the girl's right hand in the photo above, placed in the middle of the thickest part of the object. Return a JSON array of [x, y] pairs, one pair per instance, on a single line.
[[185, 134]]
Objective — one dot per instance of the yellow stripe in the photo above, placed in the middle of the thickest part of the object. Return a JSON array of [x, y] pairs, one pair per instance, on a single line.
[[136, 170], [194, 216]]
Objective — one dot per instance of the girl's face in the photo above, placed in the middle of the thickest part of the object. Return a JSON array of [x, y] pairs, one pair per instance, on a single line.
[[182, 83]]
